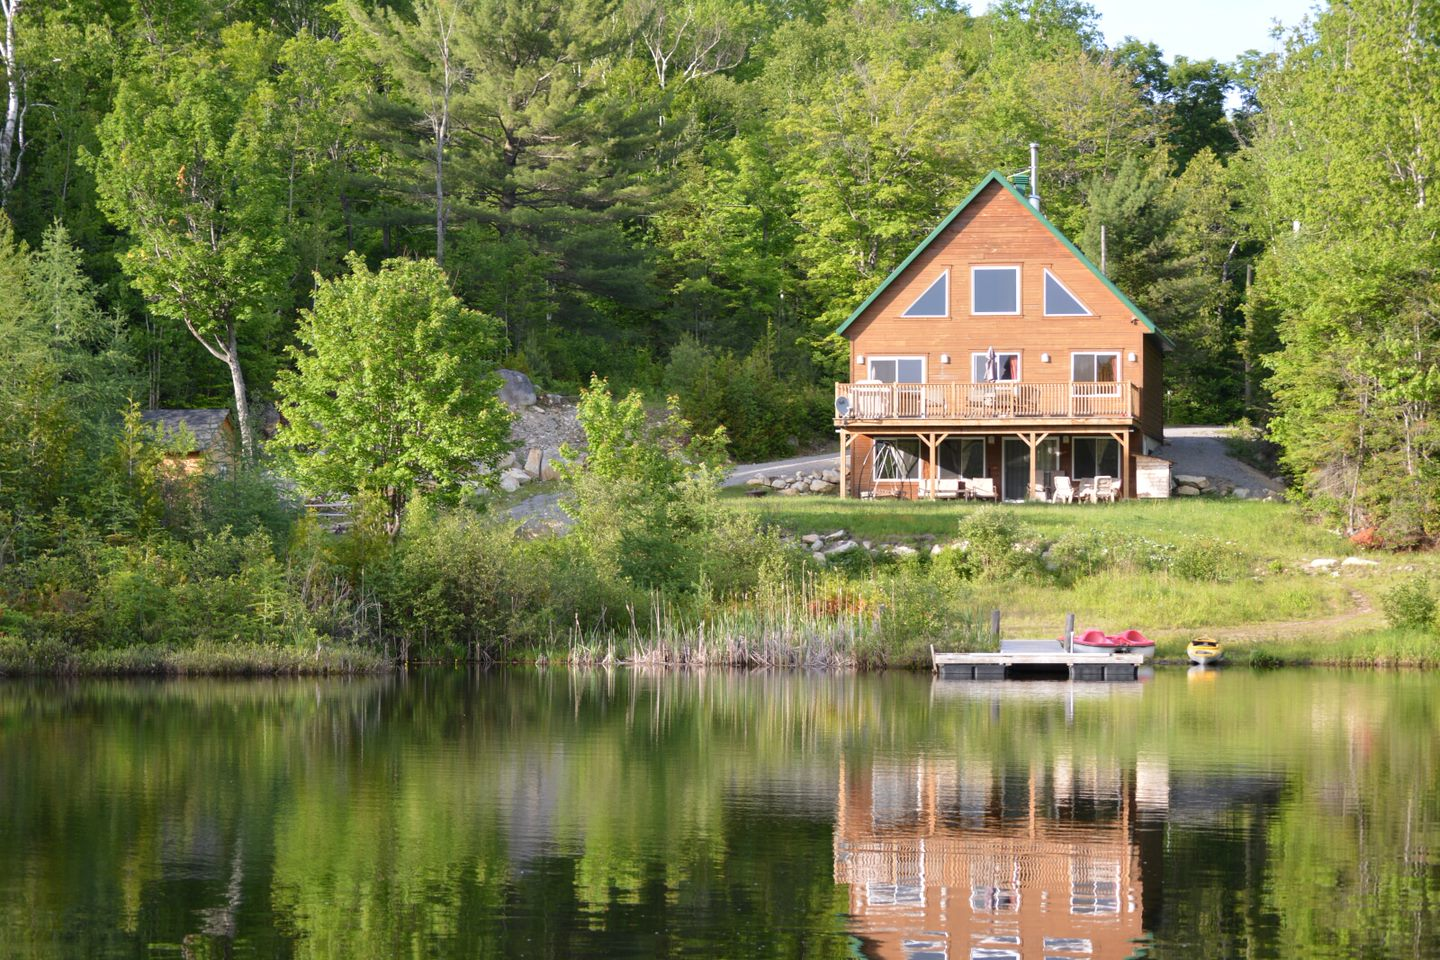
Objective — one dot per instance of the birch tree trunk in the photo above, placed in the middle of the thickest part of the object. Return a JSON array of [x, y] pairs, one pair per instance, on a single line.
[[12, 134]]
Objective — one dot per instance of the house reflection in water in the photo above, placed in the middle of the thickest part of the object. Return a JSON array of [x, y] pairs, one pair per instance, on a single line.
[[949, 860]]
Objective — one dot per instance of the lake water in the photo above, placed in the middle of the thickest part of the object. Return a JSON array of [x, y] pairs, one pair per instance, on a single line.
[[627, 814]]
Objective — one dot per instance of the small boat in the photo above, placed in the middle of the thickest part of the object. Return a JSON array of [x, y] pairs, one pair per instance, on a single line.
[[1203, 650], [1131, 641]]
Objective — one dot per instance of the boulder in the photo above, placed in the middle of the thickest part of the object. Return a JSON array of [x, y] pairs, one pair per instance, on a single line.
[[534, 460], [1185, 490], [821, 486], [550, 465], [790, 492], [844, 546], [517, 390], [506, 461], [818, 545], [837, 535], [830, 476], [1359, 562], [779, 483], [901, 550], [758, 482], [1191, 480], [1323, 563], [819, 558], [810, 538], [1240, 493]]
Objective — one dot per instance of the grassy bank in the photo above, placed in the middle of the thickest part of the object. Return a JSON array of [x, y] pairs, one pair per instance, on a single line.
[[19, 658], [1270, 598]]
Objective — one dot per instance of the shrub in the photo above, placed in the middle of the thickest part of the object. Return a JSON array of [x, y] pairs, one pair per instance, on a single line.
[[1208, 559], [1410, 604], [1078, 554], [998, 546]]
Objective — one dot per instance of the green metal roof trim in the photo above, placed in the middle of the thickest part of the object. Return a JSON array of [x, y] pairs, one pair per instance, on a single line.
[[996, 177]]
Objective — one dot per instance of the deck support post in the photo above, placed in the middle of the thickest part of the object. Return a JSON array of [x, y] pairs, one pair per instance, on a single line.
[[845, 443], [1127, 487], [933, 461]]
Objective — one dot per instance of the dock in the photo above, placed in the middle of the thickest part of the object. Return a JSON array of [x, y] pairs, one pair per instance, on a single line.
[[1038, 658]]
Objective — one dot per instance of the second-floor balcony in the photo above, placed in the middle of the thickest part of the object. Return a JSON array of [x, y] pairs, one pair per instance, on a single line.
[[875, 402]]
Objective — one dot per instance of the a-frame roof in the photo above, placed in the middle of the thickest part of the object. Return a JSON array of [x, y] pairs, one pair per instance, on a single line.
[[1005, 184]]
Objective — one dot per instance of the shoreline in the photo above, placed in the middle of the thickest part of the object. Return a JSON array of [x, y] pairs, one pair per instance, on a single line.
[[249, 662]]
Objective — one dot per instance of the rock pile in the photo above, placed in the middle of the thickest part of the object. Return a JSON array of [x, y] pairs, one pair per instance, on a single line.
[[825, 547], [1193, 485], [799, 482], [543, 423]]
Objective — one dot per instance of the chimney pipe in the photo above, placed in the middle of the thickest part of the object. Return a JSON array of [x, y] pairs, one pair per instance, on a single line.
[[1035, 175]]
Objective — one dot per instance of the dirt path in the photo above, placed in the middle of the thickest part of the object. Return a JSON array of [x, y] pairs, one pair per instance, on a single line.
[[1360, 613]]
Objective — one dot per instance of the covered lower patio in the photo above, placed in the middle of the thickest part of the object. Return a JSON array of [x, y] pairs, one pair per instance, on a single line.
[[1014, 465]]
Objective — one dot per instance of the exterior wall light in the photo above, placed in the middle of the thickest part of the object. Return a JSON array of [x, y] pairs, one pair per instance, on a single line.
[[1132, 356], [944, 358], [860, 361], [1044, 358]]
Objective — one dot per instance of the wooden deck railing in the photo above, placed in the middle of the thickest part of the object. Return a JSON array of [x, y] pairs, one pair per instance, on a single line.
[[990, 401]]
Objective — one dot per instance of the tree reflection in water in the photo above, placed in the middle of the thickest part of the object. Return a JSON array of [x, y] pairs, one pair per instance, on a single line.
[[624, 813]]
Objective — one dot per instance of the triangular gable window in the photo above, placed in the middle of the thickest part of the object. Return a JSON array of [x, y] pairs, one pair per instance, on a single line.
[[1060, 302], [934, 302]]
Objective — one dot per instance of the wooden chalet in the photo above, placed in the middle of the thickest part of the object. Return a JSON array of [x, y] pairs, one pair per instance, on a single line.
[[997, 352]]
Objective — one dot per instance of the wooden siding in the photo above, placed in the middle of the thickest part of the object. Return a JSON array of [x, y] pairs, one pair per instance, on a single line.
[[996, 230]]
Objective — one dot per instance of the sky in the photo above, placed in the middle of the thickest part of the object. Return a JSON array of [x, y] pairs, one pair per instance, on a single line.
[[1198, 29]]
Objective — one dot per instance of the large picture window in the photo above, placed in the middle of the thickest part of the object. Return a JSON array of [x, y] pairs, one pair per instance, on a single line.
[[1094, 457], [898, 369], [1007, 367], [1059, 301], [897, 458], [1095, 367], [995, 290], [962, 458], [934, 302]]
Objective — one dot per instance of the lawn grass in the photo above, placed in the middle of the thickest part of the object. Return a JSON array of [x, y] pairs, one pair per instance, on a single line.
[[1265, 530], [1285, 607]]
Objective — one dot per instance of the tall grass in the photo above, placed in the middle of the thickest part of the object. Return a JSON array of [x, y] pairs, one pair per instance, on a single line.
[[812, 625]]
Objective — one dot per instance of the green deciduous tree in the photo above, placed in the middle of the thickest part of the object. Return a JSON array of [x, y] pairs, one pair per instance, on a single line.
[[189, 166], [393, 390], [1344, 158]]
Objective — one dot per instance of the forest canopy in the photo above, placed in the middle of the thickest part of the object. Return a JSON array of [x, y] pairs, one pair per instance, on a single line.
[[688, 195]]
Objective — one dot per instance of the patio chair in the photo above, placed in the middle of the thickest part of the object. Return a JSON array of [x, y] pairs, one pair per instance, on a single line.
[[1105, 489], [982, 488], [1064, 490], [949, 488]]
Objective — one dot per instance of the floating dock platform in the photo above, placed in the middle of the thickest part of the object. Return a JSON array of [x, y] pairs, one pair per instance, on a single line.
[[1017, 658]]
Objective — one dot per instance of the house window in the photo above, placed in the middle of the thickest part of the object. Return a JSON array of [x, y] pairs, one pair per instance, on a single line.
[[1095, 367], [897, 458], [1059, 301], [934, 302], [1007, 367], [962, 458], [1094, 457], [898, 369], [995, 290]]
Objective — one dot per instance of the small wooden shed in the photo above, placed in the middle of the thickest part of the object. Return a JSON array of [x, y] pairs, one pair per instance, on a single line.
[[212, 442]]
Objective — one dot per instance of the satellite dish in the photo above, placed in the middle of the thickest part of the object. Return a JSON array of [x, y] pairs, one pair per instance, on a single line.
[[842, 407]]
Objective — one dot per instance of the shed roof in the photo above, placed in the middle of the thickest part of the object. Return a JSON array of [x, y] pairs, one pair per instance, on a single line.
[[205, 425], [994, 176]]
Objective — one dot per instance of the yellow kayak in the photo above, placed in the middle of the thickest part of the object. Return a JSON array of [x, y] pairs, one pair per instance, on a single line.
[[1203, 650]]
